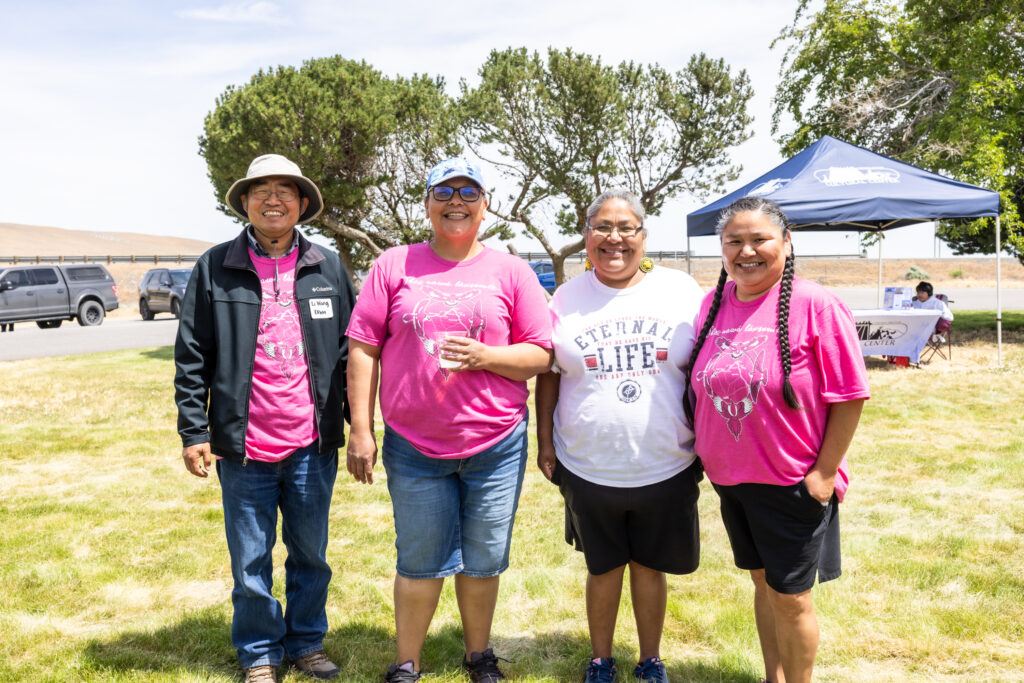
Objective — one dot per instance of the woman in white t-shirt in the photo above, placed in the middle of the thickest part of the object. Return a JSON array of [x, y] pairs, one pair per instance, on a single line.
[[611, 432]]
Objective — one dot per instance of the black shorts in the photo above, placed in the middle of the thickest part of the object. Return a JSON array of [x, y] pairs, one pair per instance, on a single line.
[[785, 531], [655, 526]]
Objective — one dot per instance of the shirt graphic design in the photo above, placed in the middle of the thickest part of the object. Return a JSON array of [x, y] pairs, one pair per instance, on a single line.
[[618, 349], [733, 378], [279, 334], [445, 310]]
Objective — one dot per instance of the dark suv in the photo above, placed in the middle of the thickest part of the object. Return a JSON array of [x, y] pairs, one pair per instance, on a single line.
[[162, 290]]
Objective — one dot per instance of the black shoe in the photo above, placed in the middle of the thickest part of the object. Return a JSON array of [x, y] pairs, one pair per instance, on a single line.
[[483, 666], [402, 673]]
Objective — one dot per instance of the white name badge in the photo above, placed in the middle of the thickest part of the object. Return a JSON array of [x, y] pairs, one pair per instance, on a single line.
[[321, 308]]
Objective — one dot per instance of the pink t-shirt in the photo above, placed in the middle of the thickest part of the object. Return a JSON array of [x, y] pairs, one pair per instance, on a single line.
[[282, 417], [410, 301], [745, 431]]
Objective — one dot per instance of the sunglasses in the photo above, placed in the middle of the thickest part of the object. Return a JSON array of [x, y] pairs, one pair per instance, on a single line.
[[443, 193]]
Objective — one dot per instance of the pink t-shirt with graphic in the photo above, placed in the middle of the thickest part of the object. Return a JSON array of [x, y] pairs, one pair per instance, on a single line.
[[745, 431], [282, 417], [411, 300]]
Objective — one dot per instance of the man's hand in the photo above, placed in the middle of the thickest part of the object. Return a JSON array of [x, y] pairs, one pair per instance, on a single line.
[[362, 455], [197, 459]]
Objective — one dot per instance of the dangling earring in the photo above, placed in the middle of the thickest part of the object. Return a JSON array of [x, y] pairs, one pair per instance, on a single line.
[[646, 264], [587, 265]]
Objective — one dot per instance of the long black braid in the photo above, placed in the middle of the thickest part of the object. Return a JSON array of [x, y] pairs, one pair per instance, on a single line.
[[785, 293], [775, 213], [689, 405]]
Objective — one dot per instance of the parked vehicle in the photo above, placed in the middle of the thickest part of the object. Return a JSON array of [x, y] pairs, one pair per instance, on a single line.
[[162, 290], [545, 273], [50, 294]]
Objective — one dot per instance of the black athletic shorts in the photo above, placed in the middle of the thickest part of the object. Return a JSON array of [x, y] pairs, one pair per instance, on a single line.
[[785, 531], [655, 526]]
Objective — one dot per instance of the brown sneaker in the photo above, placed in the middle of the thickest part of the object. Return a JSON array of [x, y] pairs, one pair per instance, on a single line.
[[261, 674], [317, 665]]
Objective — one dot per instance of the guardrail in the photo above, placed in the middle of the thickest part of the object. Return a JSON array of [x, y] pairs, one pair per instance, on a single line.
[[134, 258], [676, 256], [157, 259]]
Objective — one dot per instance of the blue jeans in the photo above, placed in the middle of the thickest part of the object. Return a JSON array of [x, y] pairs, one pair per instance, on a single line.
[[454, 516], [301, 486]]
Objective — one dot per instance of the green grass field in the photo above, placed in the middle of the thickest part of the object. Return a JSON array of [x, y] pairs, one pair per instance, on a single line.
[[114, 568]]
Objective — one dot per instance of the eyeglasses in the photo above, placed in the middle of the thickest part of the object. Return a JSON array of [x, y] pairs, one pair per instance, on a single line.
[[285, 194], [623, 230], [443, 193]]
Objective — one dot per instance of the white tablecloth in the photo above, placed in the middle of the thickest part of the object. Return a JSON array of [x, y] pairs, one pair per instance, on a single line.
[[894, 332]]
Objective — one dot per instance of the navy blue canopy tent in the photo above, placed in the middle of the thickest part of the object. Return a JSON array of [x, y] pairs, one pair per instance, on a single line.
[[833, 185]]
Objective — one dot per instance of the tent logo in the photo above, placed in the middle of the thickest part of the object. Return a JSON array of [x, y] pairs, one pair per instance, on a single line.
[[769, 186], [837, 176]]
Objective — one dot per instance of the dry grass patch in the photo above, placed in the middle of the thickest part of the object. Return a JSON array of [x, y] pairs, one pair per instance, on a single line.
[[114, 565]]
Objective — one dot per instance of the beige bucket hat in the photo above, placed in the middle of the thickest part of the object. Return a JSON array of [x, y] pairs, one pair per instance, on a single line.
[[275, 165]]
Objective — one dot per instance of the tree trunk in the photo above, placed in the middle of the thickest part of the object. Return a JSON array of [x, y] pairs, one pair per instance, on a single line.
[[346, 260]]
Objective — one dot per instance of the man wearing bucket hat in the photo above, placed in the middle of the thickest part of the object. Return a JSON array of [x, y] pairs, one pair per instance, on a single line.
[[260, 363]]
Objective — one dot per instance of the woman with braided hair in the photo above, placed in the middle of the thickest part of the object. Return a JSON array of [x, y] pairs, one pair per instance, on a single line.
[[777, 386]]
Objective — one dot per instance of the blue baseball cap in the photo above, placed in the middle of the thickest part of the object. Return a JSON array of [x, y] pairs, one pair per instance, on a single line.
[[456, 167]]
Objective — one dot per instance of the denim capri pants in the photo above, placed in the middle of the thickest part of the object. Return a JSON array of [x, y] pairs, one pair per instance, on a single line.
[[454, 516]]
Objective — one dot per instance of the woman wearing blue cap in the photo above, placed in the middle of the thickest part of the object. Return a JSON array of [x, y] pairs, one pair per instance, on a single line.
[[453, 330]]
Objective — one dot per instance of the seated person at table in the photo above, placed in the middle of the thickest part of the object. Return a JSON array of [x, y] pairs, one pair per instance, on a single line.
[[926, 301]]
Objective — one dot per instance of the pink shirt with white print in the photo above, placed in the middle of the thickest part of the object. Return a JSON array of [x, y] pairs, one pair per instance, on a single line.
[[411, 300], [282, 417], [745, 431]]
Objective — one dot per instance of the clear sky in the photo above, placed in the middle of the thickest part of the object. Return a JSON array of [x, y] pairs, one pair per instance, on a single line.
[[102, 102]]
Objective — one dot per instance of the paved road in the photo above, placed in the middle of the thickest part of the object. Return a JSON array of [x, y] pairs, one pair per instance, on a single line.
[[963, 299], [28, 341]]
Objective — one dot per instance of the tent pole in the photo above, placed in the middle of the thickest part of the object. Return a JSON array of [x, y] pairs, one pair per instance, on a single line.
[[999, 304], [878, 293], [688, 271]]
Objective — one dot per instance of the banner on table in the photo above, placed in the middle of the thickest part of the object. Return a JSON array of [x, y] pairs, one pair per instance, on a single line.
[[894, 332]]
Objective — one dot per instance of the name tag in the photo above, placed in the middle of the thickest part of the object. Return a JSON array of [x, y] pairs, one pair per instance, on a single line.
[[321, 308]]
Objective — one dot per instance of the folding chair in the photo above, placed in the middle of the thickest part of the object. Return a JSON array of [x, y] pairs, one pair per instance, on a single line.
[[939, 338]]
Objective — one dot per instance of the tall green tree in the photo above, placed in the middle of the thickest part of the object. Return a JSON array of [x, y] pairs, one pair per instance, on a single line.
[[367, 140], [565, 127], [936, 83]]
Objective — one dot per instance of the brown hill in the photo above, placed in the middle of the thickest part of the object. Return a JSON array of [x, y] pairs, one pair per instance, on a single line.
[[26, 241], [943, 273]]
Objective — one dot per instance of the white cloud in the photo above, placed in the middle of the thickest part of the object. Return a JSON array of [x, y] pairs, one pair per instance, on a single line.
[[238, 13]]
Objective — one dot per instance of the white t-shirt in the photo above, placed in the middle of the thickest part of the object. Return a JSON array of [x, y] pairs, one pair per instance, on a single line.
[[619, 420], [934, 303]]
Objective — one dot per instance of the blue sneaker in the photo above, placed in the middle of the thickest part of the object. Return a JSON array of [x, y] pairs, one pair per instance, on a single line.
[[601, 671], [652, 669]]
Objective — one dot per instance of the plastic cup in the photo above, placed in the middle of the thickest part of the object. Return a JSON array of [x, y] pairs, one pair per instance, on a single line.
[[446, 363]]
